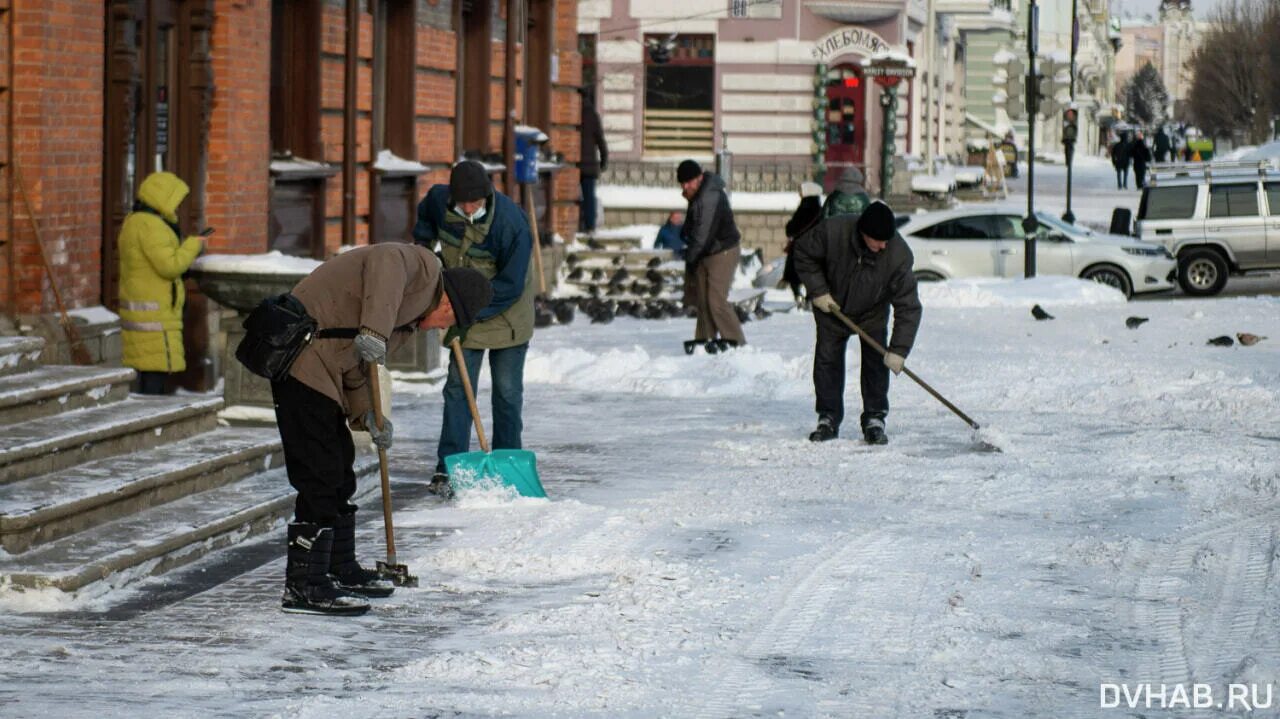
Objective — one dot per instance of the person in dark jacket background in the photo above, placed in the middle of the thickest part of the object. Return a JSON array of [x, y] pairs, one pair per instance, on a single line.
[[1120, 161], [849, 197], [711, 257], [1164, 145], [860, 265], [669, 235], [591, 165], [479, 227], [385, 292], [1141, 155], [807, 214]]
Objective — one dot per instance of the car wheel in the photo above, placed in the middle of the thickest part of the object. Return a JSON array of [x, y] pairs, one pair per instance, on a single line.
[[1202, 271], [927, 276], [1111, 276]]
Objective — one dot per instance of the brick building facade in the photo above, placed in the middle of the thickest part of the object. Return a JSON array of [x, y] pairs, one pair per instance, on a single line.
[[249, 102]]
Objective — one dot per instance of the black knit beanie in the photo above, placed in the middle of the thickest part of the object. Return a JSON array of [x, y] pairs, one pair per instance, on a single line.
[[877, 223], [687, 171], [469, 292], [468, 182]]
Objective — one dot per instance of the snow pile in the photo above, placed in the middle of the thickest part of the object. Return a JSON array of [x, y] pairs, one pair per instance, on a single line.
[[1051, 291]]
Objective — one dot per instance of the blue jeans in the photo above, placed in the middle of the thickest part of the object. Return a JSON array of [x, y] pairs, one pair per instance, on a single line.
[[506, 367], [587, 219]]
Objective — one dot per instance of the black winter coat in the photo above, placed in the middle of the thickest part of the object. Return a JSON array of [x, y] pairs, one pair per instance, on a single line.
[[833, 259], [805, 216], [592, 140], [708, 224]]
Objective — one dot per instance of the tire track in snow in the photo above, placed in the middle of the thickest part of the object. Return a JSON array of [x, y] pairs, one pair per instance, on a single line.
[[788, 620], [1164, 591]]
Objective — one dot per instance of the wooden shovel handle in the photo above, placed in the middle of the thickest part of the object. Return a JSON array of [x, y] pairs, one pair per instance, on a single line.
[[537, 243], [375, 398], [471, 395]]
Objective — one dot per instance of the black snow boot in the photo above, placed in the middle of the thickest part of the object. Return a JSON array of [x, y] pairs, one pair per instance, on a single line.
[[873, 432], [440, 485], [346, 571], [691, 345], [726, 345], [826, 430], [308, 588]]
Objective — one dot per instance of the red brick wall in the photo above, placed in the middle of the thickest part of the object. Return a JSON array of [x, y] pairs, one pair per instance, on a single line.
[[237, 191], [57, 146], [566, 112]]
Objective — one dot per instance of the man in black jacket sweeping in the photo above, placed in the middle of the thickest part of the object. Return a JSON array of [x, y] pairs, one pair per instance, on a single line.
[[859, 265]]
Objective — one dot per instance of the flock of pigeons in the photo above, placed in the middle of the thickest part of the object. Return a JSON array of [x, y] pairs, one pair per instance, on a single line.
[[1246, 339]]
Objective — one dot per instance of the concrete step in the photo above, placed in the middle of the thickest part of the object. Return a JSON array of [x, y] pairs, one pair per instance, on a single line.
[[51, 506], [622, 258], [53, 389], [49, 444], [170, 535], [19, 354]]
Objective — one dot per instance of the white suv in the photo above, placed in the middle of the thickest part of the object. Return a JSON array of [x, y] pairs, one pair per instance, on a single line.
[[1218, 219]]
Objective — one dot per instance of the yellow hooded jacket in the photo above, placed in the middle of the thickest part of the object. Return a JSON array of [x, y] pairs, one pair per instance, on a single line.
[[152, 261]]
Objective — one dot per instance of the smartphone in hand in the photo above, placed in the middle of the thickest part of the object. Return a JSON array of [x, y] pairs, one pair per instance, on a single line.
[[206, 232]]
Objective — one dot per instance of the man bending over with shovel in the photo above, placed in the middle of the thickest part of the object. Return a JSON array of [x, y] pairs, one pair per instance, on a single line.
[[855, 267], [481, 228], [381, 293]]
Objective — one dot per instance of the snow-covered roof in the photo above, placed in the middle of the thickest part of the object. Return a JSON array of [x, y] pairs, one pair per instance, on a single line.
[[389, 161], [895, 55]]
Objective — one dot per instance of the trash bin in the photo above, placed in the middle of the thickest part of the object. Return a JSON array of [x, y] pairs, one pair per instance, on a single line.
[[527, 141], [1121, 221]]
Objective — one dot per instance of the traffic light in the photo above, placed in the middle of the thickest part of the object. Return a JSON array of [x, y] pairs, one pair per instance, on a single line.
[[1070, 125], [1009, 81], [1053, 84]]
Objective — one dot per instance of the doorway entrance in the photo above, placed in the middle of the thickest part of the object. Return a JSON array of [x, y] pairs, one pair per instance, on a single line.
[[157, 98], [846, 122]]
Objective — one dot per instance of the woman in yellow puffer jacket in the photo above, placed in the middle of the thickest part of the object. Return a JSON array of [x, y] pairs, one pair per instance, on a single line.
[[153, 258]]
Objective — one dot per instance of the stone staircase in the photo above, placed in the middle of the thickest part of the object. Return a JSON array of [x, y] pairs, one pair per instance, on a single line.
[[98, 484]]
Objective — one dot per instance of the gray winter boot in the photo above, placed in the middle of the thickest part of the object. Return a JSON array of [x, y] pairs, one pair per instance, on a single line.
[[308, 588]]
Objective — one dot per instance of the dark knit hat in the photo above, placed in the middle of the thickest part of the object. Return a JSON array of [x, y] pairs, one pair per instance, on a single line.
[[468, 182], [877, 222], [469, 292], [687, 171]]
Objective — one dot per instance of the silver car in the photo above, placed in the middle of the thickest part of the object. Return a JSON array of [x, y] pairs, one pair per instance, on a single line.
[[1216, 218], [989, 242]]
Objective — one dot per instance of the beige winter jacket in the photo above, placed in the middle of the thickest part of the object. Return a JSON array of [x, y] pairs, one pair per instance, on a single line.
[[379, 287]]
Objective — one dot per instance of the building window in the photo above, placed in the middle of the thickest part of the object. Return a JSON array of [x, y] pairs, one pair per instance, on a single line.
[[679, 96], [762, 9], [738, 8], [475, 37], [540, 49]]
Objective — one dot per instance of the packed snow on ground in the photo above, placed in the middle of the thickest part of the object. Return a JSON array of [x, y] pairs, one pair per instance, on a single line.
[[698, 557]]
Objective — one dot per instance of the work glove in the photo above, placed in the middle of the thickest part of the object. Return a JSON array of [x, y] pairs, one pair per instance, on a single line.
[[381, 438], [455, 332], [825, 303], [894, 361], [370, 347]]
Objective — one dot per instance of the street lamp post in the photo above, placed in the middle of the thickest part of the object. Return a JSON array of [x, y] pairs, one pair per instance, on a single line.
[[1069, 143], [1029, 223]]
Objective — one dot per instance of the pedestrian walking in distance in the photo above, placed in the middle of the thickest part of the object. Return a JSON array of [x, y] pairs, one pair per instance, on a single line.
[[711, 257], [861, 266], [383, 293], [591, 164]]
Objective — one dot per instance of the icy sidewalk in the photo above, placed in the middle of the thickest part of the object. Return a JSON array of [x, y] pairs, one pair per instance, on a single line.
[[700, 558]]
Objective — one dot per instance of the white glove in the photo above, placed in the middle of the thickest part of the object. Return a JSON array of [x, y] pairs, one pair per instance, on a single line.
[[382, 438], [894, 362], [370, 347], [825, 303]]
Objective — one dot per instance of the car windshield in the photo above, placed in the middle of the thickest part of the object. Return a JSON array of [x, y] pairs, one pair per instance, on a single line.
[[1062, 225]]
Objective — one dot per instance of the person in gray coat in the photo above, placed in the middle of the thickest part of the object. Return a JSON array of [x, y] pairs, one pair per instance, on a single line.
[[859, 265]]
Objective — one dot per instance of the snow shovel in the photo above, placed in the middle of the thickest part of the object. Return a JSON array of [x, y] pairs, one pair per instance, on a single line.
[[397, 573], [987, 446], [515, 468]]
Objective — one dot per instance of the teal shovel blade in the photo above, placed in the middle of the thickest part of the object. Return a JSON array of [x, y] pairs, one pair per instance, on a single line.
[[516, 468]]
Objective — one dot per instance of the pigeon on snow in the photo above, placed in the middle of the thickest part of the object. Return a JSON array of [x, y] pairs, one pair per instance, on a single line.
[[1038, 312], [1249, 340], [1134, 323]]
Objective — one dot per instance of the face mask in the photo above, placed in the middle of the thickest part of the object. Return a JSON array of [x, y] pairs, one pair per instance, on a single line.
[[473, 217]]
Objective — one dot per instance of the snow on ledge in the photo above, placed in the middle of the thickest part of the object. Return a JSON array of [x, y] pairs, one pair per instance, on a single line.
[[1051, 291], [96, 315], [272, 263], [622, 197], [389, 161]]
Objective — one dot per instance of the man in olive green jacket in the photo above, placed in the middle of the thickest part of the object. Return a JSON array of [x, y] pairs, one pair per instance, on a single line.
[[481, 228]]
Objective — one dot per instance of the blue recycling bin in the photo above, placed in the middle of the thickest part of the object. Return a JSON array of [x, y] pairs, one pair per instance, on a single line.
[[527, 141]]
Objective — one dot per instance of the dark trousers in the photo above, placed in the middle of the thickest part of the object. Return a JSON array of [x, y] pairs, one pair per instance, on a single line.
[[1140, 175], [506, 369], [318, 453], [587, 221], [153, 383], [828, 369], [1122, 177]]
